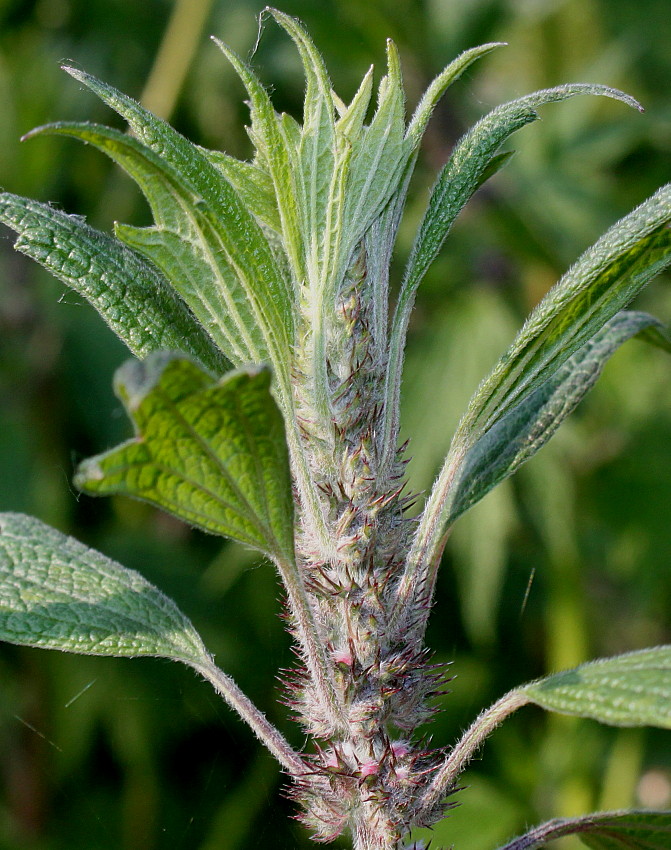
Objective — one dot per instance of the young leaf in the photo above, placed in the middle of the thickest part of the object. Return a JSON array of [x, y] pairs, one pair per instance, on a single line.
[[627, 690], [632, 830], [57, 593], [211, 452], [216, 258], [602, 282], [130, 294], [524, 429], [472, 160]]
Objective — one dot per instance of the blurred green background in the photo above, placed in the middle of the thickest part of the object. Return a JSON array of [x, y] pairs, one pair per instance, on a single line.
[[567, 562]]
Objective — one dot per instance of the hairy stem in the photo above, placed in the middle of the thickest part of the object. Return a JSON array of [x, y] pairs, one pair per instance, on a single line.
[[261, 726], [468, 745], [312, 643]]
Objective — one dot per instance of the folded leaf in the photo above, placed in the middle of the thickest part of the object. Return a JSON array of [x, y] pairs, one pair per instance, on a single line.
[[603, 281], [243, 240], [57, 593], [223, 272], [130, 294], [633, 830], [627, 690], [474, 158], [210, 452], [522, 431]]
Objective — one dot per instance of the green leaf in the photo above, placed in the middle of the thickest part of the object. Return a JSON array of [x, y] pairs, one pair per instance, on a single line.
[[524, 429], [253, 184], [463, 172], [276, 152], [236, 298], [57, 593], [473, 159], [440, 85], [627, 690], [210, 452], [130, 294], [632, 830], [237, 234], [602, 282]]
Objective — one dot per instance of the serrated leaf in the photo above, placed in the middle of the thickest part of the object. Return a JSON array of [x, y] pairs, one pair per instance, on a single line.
[[524, 429], [224, 270], [632, 830], [602, 282], [626, 690], [210, 452], [130, 294], [57, 593]]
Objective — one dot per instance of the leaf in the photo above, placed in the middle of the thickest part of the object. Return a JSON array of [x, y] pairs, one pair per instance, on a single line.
[[242, 240], [473, 159], [523, 430], [253, 184], [632, 830], [439, 86], [130, 294], [236, 300], [463, 172], [269, 135], [605, 279], [626, 690], [210, 452], [57, 593]]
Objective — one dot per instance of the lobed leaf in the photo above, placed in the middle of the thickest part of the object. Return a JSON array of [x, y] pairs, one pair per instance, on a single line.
[[632, 830], [57, 593], [130, 294], [211, 452], [626, 690], [524, 429]]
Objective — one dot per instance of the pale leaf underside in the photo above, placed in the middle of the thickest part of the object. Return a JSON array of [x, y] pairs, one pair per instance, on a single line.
[[626, 690], [57, 593]]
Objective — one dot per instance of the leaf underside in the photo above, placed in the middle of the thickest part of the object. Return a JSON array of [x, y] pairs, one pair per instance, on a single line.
[[629, 830], [57, 593]]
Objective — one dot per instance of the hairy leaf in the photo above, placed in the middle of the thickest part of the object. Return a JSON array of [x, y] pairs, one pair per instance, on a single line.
[[604, 280], [130, 294], [524, 429], [627, 690], [632, 830], [243, 243], [57, 593], [199, 252], [211, 452]]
